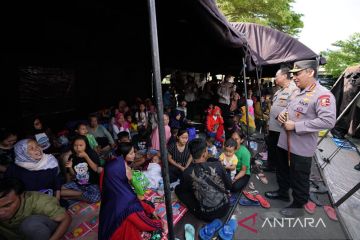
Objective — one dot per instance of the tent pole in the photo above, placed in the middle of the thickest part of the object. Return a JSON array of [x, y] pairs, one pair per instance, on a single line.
[[160, 114], [339, 117], [338, 80], [246, 105], [258, 83]]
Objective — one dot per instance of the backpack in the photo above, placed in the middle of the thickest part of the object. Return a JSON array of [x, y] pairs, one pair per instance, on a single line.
[[208, 188]]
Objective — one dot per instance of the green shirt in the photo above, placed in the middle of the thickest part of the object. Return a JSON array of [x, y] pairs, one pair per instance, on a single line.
[[33, 203], [243, 156], [92, 141]]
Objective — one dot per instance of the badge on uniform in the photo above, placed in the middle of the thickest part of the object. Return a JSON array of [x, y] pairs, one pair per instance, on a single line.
[[324, 100]]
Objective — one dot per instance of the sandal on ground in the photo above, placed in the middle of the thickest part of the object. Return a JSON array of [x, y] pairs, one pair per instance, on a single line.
[[263, 202], [228, 230], [249, 195], [258, 162], [189, 232], [261, 176], [208, 231], [251, 186], [330, 212], [310, 207], [247, 202]]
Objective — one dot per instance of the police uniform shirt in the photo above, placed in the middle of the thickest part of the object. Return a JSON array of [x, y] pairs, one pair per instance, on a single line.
[[280, 100], [312, 110]]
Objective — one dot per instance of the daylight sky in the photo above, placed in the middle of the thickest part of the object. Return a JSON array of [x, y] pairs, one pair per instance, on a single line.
[[326, 21]]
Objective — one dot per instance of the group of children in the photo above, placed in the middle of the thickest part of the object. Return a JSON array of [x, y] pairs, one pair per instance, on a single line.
[[77, 172]]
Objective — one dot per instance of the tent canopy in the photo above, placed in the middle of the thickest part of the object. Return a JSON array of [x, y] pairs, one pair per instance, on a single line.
[[270, 48], [79, 56], [192, 34]]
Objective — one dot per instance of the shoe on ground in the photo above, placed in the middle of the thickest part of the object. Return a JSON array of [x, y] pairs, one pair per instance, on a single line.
[[292, 211], [276, 195]]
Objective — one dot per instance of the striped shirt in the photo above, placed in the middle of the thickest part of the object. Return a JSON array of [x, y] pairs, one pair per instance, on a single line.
[[179, 157]]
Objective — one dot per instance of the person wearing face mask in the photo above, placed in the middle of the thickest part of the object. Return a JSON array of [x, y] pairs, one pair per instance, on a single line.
[[38, 171]]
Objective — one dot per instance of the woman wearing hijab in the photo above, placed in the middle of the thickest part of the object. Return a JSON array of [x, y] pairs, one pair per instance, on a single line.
[[177, 120], [37, 170], [120, 124], [122, 215]]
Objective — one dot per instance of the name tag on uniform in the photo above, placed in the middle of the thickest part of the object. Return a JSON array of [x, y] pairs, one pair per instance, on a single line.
[[303, 103]]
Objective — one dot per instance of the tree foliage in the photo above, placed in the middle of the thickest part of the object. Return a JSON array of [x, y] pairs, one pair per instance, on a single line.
[[277, 14], [346, 54]]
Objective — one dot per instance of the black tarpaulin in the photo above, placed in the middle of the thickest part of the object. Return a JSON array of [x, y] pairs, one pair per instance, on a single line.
[[270, 48], [107, 46]]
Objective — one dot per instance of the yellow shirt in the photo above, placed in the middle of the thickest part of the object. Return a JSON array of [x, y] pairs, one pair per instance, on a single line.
[[228, 161], [243, 118]]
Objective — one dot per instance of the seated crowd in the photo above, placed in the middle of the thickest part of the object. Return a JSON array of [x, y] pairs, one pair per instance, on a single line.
[[43, 173]]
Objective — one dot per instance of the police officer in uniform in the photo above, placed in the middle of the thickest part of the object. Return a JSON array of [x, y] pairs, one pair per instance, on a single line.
[[279, 102], [311, 110]]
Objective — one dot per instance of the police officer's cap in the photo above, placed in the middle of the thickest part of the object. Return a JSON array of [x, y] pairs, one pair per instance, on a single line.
[[301, 65]]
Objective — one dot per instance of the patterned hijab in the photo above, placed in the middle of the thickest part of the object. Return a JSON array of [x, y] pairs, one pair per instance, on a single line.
[[23, 159]]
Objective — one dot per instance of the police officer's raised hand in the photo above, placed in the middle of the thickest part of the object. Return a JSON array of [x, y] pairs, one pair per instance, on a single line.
[[289, 125]]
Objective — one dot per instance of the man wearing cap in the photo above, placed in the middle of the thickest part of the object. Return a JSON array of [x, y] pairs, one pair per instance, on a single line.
[[312, 109], [279, 102]]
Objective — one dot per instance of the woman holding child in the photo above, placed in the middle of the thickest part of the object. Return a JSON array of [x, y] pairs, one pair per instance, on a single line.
[[122, 214], [243, 165]]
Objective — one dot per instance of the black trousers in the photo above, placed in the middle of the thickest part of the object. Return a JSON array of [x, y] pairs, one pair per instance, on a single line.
[[272, 141], [192, 204], [296, 176], [240, 184], [174, 173]]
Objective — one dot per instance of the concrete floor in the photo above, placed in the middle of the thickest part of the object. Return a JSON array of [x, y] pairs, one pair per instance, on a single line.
[[262, 229], [341, 176]]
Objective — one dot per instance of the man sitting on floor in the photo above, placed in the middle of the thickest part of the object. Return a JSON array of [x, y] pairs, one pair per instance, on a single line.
[[29, 215], [205, 184]]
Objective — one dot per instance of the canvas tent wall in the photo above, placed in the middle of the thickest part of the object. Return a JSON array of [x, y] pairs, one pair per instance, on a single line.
[[106, 46], [270, 48]]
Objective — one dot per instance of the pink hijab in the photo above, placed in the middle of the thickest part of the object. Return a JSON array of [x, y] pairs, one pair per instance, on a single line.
[[124, 124]]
